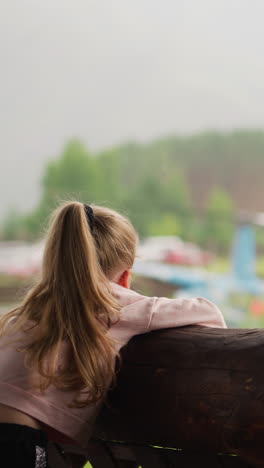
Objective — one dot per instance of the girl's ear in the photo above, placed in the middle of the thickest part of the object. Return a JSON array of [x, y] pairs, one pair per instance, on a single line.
[[124, 279]]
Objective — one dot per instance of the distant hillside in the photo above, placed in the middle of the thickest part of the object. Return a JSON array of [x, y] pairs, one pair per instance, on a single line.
[[233, 161], [189, 186]]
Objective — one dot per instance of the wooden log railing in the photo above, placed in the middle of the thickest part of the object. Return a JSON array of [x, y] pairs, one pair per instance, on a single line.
[[185, 397]]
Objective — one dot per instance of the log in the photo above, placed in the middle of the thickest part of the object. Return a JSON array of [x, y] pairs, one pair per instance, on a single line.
[[191, 388]]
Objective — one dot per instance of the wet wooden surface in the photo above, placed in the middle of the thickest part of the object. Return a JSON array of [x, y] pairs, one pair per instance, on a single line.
[[197, 389]]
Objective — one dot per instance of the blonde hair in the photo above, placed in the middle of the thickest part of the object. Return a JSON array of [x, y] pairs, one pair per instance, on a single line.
[[73, 300]]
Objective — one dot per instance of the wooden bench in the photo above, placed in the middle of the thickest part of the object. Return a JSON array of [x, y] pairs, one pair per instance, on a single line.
[[185, 397]]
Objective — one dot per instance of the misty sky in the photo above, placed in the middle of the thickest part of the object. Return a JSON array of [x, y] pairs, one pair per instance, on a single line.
[[107, 71]]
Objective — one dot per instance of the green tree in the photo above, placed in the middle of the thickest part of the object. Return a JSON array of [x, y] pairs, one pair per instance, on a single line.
[[72, 176], [164, 197], [73, 173]]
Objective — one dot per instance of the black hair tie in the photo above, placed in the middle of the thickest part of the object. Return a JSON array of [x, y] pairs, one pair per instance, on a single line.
[[89, 216]]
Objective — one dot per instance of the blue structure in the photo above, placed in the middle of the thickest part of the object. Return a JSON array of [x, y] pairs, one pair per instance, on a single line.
[[243, 254]]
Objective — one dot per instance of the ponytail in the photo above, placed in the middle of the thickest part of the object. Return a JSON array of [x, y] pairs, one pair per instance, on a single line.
[[72, 302]]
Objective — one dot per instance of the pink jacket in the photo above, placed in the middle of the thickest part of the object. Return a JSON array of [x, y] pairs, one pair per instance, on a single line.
[[139, 314]]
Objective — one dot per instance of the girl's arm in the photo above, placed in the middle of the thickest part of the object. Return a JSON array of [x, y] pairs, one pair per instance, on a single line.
[[141, 314], [167, 313]]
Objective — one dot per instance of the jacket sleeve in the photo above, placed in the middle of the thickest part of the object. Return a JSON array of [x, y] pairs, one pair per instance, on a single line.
[[142, 314], [167, 313]]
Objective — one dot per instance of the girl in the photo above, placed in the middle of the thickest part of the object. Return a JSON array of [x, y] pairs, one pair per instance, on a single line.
[[58, 347]]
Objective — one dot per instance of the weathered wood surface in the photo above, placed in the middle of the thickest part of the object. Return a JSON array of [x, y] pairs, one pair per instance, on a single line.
[[192, 388], [114, 455]]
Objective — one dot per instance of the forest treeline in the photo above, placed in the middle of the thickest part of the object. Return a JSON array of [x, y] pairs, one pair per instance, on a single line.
[[191, 186]]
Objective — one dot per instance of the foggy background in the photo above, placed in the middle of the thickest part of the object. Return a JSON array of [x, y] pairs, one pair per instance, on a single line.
[[110, 71]]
